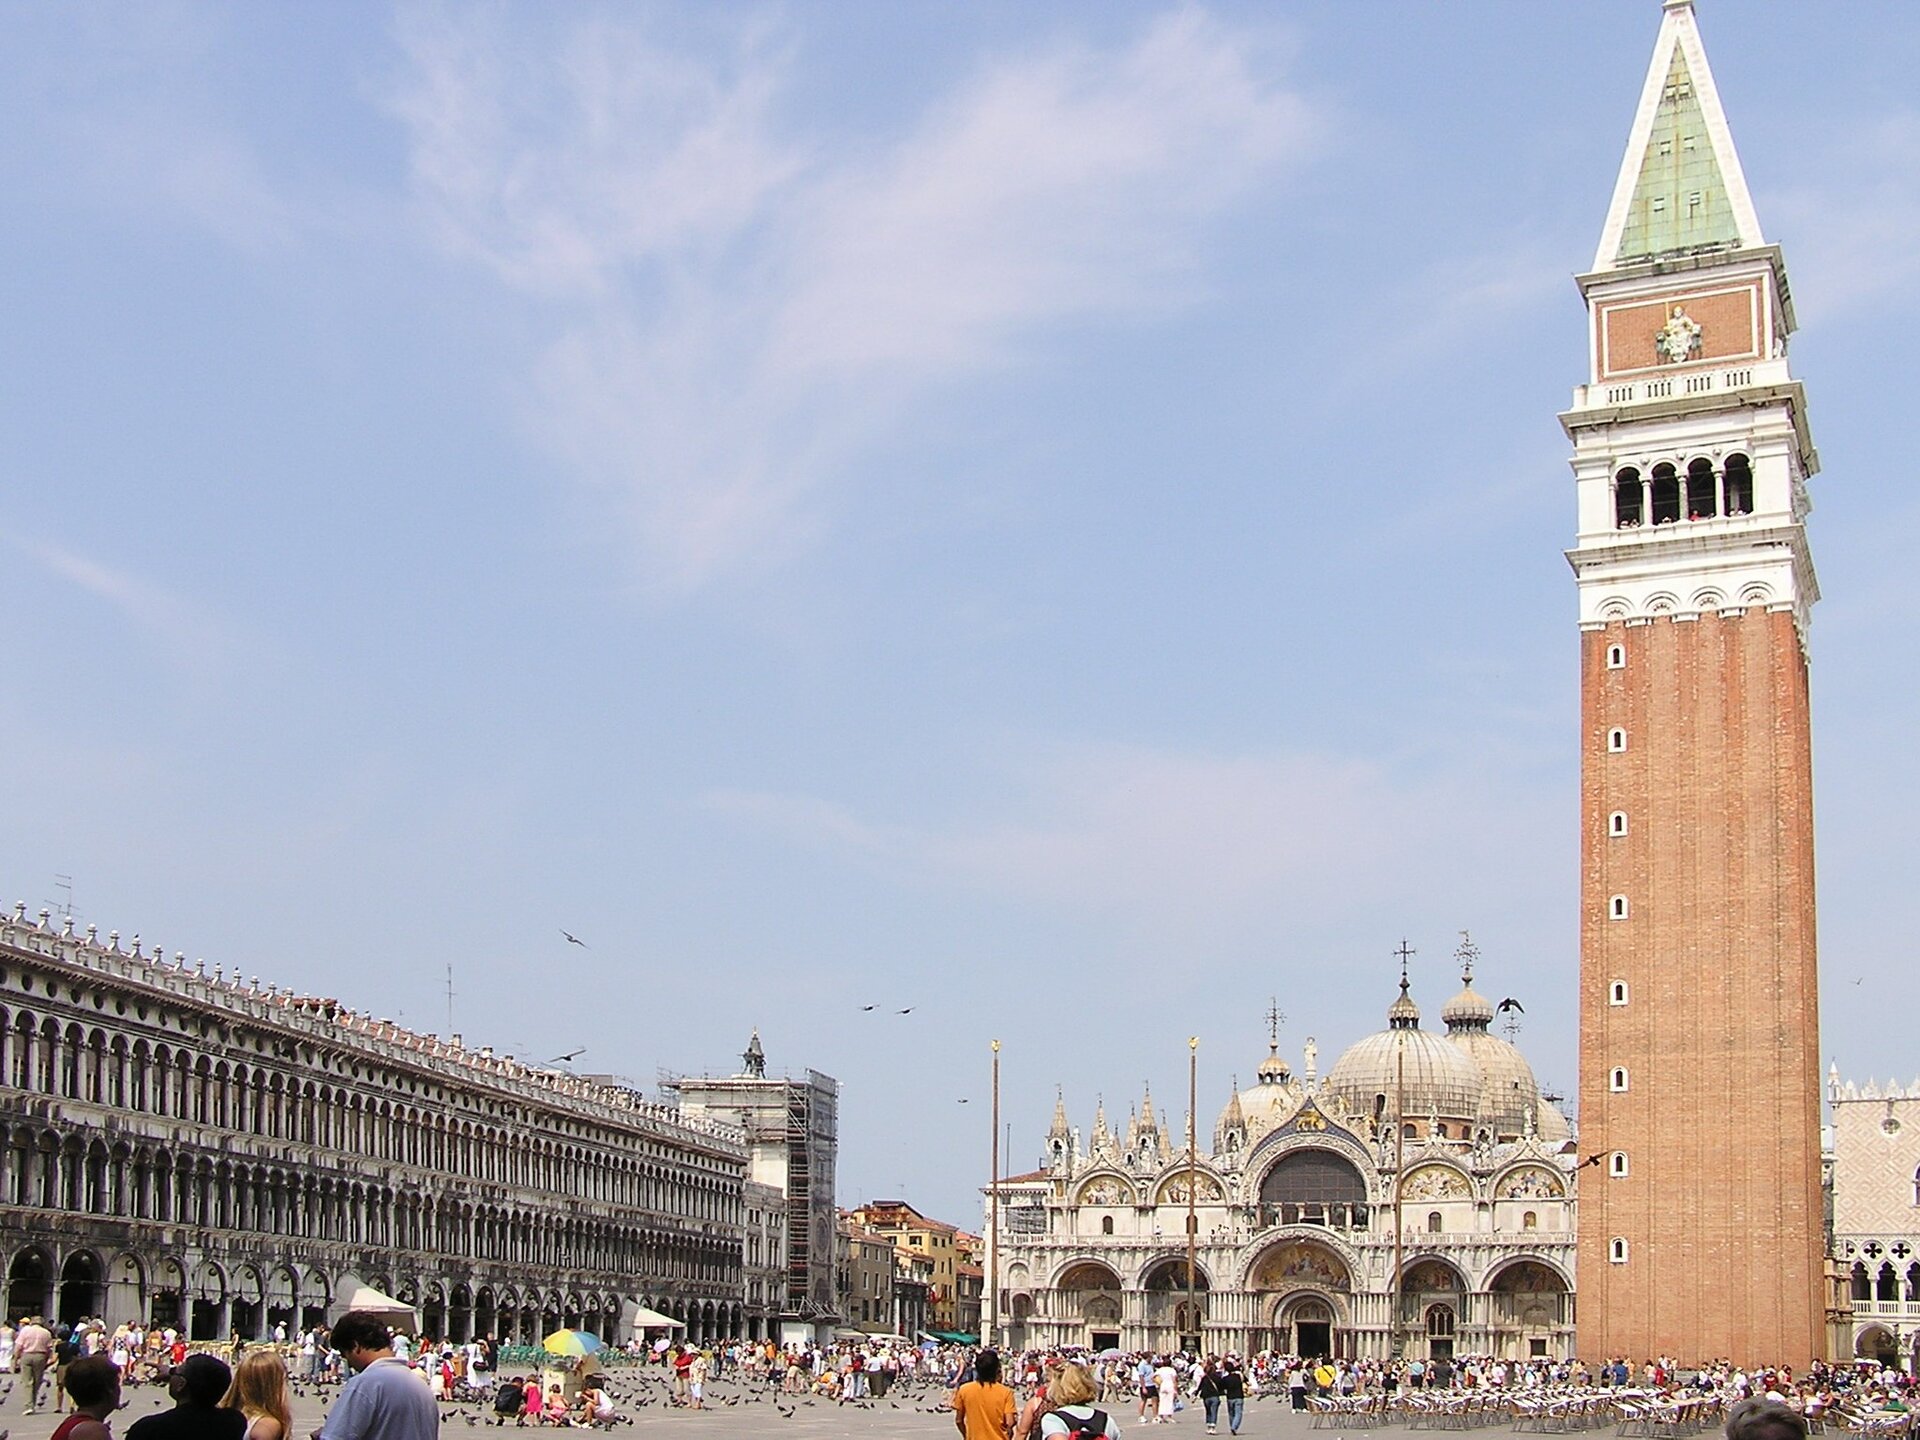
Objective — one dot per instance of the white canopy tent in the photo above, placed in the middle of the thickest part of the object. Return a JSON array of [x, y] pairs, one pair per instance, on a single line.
[[645, 1319], [378, 1302]]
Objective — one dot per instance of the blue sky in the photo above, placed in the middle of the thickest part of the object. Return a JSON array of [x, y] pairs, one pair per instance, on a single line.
[[1051, 517]]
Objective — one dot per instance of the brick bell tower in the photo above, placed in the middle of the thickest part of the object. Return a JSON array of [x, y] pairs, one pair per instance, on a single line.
[[1700, 1231]]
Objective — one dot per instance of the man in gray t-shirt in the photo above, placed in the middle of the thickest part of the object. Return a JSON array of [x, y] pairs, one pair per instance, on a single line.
[[386, 1399]]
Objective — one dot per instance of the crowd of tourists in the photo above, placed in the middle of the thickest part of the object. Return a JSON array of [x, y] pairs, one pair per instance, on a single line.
[[1009, 1397]]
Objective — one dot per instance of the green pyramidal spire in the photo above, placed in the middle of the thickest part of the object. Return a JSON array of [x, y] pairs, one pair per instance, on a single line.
[[1680, 190], [1680, 200]]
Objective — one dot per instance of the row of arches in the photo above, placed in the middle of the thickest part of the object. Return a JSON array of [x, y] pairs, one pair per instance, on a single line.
[[53, 1171], [1292, 1259], [1665, 495], [208, 1300], [41, 1054]]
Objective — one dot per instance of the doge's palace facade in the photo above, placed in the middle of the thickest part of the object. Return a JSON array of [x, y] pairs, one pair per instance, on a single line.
[[189, 1149]]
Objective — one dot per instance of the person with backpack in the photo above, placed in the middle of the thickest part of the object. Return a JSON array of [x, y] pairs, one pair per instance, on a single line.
[[1073, 1416]]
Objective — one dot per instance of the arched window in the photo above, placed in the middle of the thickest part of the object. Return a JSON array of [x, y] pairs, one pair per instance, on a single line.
[[1617, 908], [1617, 1082], [1862, 1282], [1739, 479], [1616, 657], [1617, 995], [1433, 1222], [1666, 495], [1616, 741], [1887, 1288], [1617, 823], [1617, 1251], [1106, 1224], [1629, 499], [1703, 500], [1617, 1164]]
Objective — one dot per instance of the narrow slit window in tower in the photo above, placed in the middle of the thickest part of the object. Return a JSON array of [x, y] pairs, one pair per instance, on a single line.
[[1617, 908], [1617, 823], [1617, 1082], [1617, 1251], [1617, 995], [1617, 1164], [1616, 657]]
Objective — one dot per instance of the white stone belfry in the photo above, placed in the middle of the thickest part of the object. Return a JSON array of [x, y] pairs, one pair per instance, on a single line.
[[1691, 445]]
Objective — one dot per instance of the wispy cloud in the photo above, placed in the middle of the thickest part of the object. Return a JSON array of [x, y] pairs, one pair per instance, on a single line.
[[743, 309], [188, 635], [1172, 839]]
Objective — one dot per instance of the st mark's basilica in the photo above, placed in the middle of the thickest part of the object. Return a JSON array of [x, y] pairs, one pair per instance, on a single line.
[[1293, 1208]]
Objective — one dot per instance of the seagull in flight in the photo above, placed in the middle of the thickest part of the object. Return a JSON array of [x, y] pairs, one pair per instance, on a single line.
[[866, 1007], [570, 1055], [907, 1011], [1510, 1004], [573, 939]]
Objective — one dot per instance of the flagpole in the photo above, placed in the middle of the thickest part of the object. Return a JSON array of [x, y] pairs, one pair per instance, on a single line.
[[1193, 1179], [990, 1331]]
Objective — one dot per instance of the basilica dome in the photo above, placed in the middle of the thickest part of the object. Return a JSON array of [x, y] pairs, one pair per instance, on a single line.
[[1440, 1078], [1264, 1106], [1509, 1095]]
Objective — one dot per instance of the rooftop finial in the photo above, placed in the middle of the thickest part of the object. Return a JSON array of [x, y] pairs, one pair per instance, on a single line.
[[1466, 953], [1275, 1019], [1406, 952]]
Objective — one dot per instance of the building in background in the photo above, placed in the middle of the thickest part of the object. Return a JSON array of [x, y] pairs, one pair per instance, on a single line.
[[190, 1149], [912, 1294], [932, 1241], [792, 1133], [1698, 998], [1294, 1211], [866, 1278], [1875, 1203], [764, 1260]]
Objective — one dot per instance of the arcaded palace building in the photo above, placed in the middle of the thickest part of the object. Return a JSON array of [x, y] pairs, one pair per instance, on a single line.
[[194, 1150], [1695, 585], [1876, 1217], [1295, 1202]]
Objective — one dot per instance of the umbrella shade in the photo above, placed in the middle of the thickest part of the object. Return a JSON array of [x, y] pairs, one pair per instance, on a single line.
[[1109, 1355], [572, 1342]]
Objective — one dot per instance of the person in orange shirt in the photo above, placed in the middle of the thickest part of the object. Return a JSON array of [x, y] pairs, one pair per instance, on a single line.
[[983, 1408]]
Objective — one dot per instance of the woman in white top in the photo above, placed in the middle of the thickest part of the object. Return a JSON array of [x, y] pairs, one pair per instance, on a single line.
[[1070, 1396]]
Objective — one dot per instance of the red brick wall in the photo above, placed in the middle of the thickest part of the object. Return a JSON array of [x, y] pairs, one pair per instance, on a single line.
[[1721, 1209]]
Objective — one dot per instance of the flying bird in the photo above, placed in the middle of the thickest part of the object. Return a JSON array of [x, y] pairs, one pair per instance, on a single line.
[[1510, 1004], [867, 1007], [570, 1055], [962, 1100], [573, 939], [907, 1011]]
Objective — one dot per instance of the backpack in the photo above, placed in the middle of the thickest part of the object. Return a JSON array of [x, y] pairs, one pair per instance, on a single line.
[[1094, 1427]]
